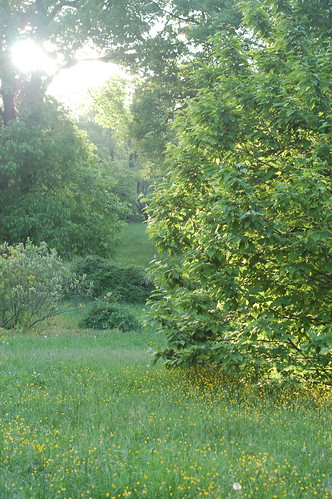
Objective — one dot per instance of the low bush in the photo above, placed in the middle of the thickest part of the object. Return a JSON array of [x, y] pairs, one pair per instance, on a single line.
[[127, 284], [33, 283], [105, 315]]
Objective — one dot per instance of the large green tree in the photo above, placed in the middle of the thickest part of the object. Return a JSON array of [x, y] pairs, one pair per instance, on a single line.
[[57, 190], [245, 213]]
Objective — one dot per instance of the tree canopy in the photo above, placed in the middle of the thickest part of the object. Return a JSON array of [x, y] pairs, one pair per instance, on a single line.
[[245, 211], [52, 186], [42, 153], [55, 188], [60, 28]]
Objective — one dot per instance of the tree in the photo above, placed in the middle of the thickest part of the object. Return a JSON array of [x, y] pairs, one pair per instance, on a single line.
[[57, 189], [164, 64], [107, 123], [245, 211], [60, 28], [148, 35], [38, 177]]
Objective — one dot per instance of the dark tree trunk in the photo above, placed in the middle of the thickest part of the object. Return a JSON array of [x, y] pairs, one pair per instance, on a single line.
[[8, 112], [8, 88]]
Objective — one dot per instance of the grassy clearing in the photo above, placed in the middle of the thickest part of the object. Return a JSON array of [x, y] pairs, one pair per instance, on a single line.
[[87, 415], [136, 248]]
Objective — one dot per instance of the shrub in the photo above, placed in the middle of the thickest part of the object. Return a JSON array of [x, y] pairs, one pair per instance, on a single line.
[[104, 315], [247, 203], [33, 281], [128, 284]]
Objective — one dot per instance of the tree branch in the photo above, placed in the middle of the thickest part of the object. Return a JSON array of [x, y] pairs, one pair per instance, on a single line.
[[175, 16], [75, 4]]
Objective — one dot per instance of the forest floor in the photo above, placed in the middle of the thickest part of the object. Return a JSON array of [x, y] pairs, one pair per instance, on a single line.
[[86, 414]]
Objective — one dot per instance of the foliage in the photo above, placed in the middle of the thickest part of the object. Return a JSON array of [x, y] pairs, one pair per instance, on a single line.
[[61, 28], [105, 315], [166, 83], [246, 207], [152, 113], [125, 283], [33, 282], [110, 107], [143, 34], [107, 124], [54, 187]]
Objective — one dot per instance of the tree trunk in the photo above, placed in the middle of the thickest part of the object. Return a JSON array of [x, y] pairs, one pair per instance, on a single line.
[[8, 112], [8, 88]]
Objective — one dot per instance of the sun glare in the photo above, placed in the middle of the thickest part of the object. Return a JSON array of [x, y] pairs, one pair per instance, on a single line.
[[71, 86], [28, 57], [75, 86]]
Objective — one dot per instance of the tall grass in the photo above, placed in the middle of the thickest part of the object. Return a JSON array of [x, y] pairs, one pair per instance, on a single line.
[[87, 415]]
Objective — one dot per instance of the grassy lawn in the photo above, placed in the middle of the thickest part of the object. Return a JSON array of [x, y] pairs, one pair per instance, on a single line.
[[87, 415], [136, 248]]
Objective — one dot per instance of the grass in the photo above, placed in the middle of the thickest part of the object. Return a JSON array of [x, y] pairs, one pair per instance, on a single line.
[[136, 248], [87, 415]]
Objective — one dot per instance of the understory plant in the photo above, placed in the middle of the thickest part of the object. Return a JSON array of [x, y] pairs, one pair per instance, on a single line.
[[105, 315], [33, 283], [126, 283]]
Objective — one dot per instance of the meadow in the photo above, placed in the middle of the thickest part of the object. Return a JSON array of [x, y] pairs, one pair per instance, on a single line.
[[136, 248], [86, 414]]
